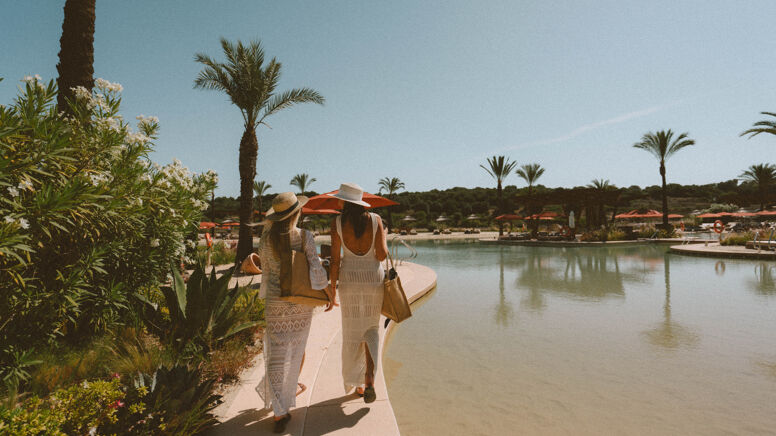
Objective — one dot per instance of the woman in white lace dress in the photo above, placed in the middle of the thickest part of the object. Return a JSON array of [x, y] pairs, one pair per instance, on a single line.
[[360, 236], [288, 324]]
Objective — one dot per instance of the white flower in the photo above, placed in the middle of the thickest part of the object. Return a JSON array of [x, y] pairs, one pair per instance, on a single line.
[[27, 79], [108, 86], [93, 431], [85, 384], [81, 93], [23, 223], [26, 185], [155, 243], [9, 220], [137, 138], [13, 191]]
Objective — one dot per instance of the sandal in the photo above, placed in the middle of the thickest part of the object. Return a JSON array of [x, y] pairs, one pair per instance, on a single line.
[[302, 388], [369, 394], [280, 425]]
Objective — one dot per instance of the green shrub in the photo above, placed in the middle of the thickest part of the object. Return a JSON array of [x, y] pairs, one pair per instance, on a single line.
[[737, 238], [85, 218], [172, 401], [221, 254]]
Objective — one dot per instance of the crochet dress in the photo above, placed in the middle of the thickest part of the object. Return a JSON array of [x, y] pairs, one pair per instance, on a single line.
[[288, 324], [361, 299]]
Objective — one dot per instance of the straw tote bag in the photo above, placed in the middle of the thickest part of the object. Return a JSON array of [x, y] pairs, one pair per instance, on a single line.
[[301, 289], [395, 304]]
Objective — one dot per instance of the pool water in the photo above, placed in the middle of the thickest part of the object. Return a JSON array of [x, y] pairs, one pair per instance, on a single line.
[[599, 340]]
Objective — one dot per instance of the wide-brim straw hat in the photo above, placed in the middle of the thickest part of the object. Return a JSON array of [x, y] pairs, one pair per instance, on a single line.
[[284, 205], [351, 193]]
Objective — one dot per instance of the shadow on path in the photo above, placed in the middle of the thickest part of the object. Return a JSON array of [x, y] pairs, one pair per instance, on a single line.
[[327, 416]]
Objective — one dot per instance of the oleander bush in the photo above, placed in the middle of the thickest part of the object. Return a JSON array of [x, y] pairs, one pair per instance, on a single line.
[[86, 220], [221, 254]]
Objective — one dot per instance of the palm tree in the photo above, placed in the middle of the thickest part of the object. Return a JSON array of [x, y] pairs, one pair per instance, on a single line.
[[499, 167], [531, 173], [762, 175], [76, 51], [250, 85], [303, 182], [600, 186], [762, 127], [391, 186], [260, 188], [661, 146]]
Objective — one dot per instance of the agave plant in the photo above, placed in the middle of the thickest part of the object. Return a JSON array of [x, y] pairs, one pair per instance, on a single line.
[[202, 312]]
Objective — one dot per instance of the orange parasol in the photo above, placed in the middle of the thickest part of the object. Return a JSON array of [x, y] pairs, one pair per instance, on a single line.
[[326, 201]]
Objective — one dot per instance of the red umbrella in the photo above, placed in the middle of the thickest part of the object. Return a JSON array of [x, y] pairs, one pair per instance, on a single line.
[[508, 217], [709, 215], [206, 225], [326, 201], [307, 211], [766, 212], [743, 214]]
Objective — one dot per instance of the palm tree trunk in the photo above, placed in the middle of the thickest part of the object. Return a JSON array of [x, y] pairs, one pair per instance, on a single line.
[[76, 51], [664, 195], [249, 149], [500, 208]]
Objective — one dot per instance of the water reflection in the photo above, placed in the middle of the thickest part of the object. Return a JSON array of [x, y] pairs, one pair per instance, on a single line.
[[764, 283], [503, 312], [669, 334], [590, 274]]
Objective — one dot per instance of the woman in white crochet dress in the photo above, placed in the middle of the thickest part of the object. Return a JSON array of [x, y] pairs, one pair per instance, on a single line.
[[288, 324], [360, 236]]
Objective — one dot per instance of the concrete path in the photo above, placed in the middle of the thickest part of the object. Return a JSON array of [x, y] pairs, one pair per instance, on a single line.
[[323, 408], [724, 251]]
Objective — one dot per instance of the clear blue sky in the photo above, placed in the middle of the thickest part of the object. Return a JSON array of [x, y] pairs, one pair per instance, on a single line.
[[425, 91]]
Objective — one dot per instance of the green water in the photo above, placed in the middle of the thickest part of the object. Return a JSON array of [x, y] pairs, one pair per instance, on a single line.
[[621, 340]]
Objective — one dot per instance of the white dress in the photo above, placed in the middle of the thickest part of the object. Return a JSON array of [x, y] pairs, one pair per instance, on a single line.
[[361, 300], [288, 325]]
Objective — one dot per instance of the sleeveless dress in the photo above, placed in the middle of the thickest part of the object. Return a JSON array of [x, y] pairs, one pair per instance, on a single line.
[[288, 324], [361, 300]]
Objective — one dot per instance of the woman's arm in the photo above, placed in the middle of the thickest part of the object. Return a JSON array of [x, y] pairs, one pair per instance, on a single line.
[[318, 279], [381, 245], [334, 266]]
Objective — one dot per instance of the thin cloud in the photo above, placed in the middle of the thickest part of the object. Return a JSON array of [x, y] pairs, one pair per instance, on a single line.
[[593, 126]]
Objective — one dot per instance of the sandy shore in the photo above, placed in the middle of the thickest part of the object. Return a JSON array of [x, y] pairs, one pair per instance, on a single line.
[[326, 239]]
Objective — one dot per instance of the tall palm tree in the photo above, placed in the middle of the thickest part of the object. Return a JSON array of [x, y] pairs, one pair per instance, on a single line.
[[499, 167], [762, 127], [250, 85], [530, 173], [303, 182], [260, 188], [661, 146], [76, 51], [390, 186], [762, 175]]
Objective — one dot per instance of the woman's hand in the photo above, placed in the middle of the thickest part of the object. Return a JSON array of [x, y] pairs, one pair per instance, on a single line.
[[331, 292]]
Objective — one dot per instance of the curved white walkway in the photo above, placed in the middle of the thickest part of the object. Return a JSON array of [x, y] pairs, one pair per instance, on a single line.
[[323, 408]]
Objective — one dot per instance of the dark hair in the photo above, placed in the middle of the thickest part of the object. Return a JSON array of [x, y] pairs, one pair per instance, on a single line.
[[278, 234], [357, 216]]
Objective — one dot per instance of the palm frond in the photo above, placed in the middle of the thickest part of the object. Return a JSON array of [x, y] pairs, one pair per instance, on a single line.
[[530, 173], [290, 98], [764, 126]]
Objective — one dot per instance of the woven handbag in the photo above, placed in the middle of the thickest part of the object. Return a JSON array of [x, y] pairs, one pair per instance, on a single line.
[[301, 289], [395, 304]]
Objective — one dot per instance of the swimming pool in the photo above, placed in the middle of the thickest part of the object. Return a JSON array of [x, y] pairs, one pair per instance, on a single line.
[[599, 340]]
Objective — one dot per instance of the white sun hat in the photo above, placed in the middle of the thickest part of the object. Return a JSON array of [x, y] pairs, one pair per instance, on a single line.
[[351, 193]]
